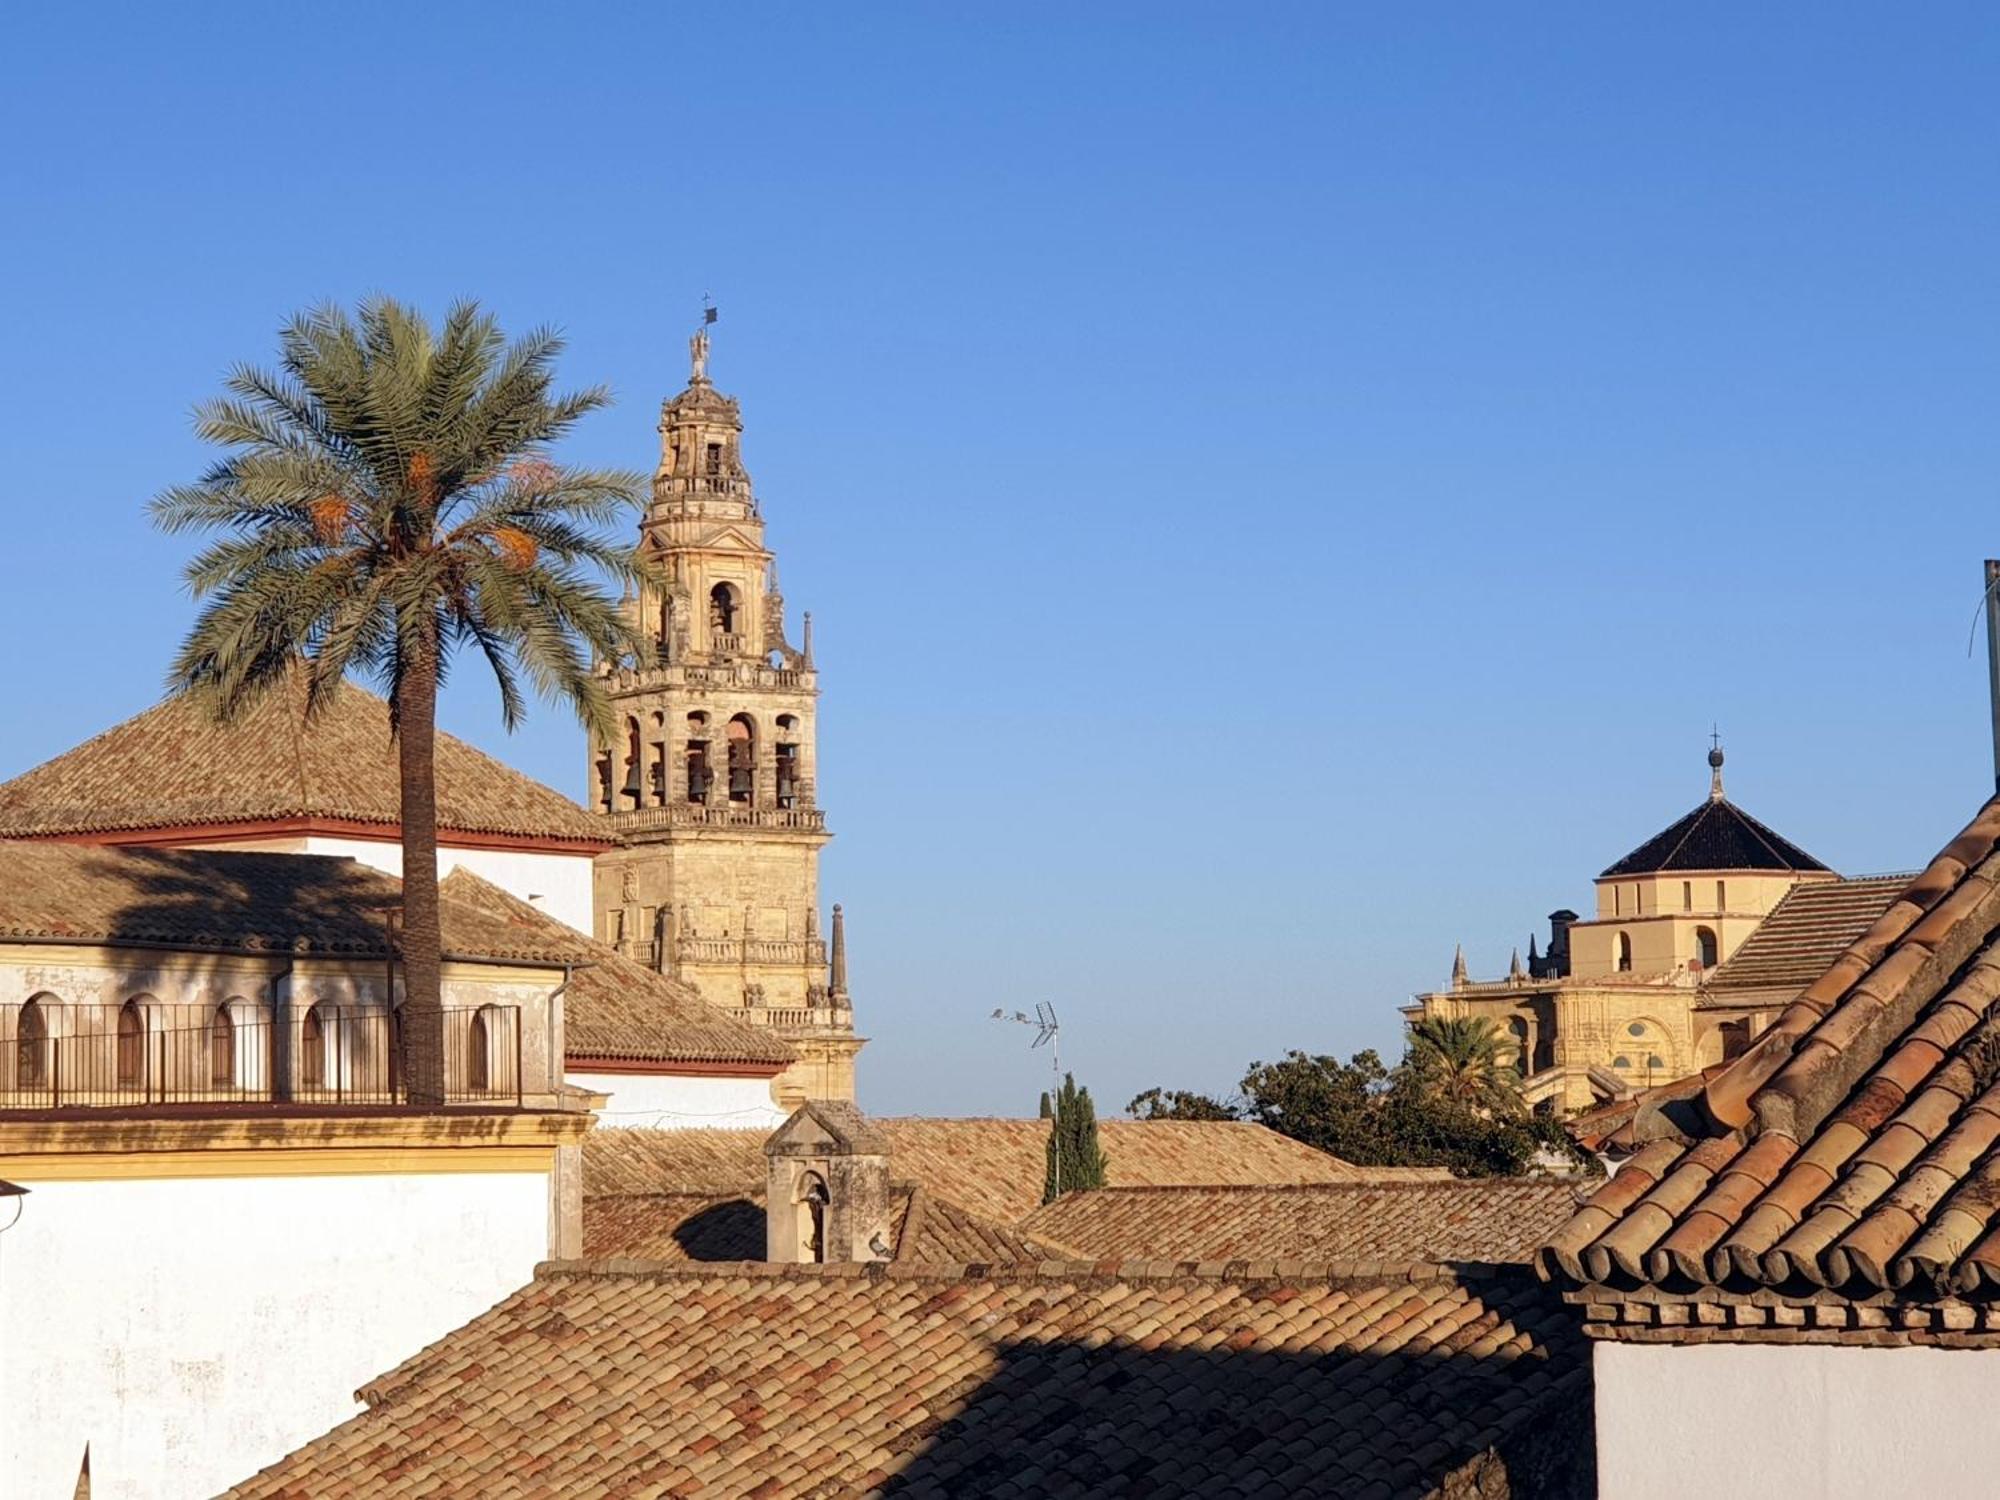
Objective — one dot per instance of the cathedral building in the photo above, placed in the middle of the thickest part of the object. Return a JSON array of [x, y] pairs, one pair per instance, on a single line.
[[710, 787], [1618, 1002]]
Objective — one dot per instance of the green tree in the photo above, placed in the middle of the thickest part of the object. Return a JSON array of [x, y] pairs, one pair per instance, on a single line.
[[1075, 1160], [1372, 1115], [1463, 1059], [1180, 1104], [387, 498]]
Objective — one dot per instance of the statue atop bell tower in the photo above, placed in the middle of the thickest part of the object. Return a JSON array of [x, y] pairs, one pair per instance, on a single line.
[[711, 782]]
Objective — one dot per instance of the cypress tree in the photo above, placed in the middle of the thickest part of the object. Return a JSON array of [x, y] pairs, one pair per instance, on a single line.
[[1075, 1160]]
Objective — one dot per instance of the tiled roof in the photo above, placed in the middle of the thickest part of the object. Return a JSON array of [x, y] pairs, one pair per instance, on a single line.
[[173, 766], [1842, 1177], [995, 1167], [1807, 930], [616, 1010], [1718, 835], [241, 903], [1492, 1220], [1064, 1381], [711, 1227], [991, 1167], [708, 1163], [673, 1226]]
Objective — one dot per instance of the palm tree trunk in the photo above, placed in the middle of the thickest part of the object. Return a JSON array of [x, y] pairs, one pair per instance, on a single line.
[[416, 756]]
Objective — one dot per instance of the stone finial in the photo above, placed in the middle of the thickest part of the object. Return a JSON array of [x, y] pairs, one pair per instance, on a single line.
[[1514, 970], [806, 650], [698, 357], [836, 978], [1458, 967], [1714, 766]]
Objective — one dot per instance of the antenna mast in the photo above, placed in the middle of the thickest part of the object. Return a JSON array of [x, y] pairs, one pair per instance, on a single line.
[[1048, 1032]]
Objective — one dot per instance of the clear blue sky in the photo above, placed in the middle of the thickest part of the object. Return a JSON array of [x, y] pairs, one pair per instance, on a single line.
[[1282, 490]]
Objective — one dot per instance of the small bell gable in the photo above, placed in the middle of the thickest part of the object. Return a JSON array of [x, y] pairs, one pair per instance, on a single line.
[[827, 1187]]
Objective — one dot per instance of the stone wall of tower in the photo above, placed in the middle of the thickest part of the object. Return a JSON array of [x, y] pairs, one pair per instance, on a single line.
[[712, 780]]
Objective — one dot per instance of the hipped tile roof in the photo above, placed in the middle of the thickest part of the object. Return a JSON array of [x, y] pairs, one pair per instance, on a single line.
[[991, 1167], [309, 904], [174, 766], [710, 1227], [1718, 835], [1811, 926], [617, 1011], [210, 900], [1064, 1381], [1845, 1171], [1488, 1220]]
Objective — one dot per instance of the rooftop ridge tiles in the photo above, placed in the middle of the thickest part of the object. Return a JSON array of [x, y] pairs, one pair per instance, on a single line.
[[1470, 1185], [1235, 1272]]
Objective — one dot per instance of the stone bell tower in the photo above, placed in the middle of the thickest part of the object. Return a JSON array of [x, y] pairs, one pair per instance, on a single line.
[[711, 782]]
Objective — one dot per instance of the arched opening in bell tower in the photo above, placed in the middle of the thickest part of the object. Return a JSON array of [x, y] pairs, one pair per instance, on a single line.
[[698, 775], [742, 760], [786, 754], [723, 609], [633, 755]]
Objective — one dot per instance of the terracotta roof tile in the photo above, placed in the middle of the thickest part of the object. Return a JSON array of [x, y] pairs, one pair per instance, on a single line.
[[991, 1167], [616, 1010], [1047, 1381], [1871, 1178], [1814, 923], [1491, 1220], [719, 1227], [173, 766], [247, 903]]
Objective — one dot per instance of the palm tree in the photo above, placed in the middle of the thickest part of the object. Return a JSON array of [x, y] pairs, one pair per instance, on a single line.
[[387, 498], [1460, 1058]]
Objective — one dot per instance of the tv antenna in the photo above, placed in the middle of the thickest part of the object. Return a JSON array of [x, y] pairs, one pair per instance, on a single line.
[[1048, 1033]]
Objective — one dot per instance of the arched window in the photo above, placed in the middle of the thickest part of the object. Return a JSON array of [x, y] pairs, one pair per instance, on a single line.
[[312, 1050], [698, 775], [1706, 949], [131, 1045], [222, 1048], [812, 1202], [787, 762], [478, 1056], [632, 758], [722, 609], [33, 1066], [742, 760], [1624, 953]]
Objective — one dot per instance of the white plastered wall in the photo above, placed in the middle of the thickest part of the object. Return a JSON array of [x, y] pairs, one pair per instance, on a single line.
[[193, 1330], [666, 1101], [559, 883], [1727, 1420]]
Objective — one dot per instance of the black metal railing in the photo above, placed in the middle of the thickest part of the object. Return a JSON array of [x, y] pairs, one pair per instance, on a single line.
[[238, 1055]]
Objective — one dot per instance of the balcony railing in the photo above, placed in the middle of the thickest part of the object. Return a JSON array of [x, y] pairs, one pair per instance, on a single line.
[[810, 952], [788, 1018], [701, 815], [326, 1057]]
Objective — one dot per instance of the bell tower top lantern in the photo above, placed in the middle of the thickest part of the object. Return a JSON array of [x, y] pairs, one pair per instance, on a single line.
[[701, 445]]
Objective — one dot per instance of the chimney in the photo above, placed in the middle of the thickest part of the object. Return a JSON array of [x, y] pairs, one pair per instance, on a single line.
[[826, 1190], [1558, 957]]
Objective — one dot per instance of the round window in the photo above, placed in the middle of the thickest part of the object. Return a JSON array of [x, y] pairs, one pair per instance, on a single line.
[[1637, 1028]]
